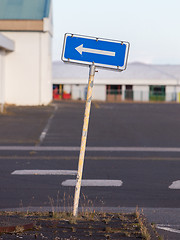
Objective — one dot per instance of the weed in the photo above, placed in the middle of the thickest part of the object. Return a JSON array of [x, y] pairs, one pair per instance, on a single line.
[[160, 238], [127, 234], [21, 204], [73, 229], [19, 229], [90, 233], [37, 227], [86, 205], [108, 230], [144, 231], [153, 225], [107, 236]]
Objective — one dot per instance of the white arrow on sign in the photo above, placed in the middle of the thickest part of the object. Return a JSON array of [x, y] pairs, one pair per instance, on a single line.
[[81, 49]]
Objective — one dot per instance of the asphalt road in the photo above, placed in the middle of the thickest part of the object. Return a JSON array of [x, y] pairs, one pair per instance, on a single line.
[[138, 144], [145, 182], [136, 125]]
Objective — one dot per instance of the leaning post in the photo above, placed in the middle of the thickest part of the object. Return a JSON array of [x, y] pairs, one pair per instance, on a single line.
[[92, 51], [83, 139]]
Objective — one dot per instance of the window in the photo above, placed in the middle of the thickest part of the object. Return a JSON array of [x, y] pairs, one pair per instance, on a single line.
[[113, 89], [129, 92], [157, 93]]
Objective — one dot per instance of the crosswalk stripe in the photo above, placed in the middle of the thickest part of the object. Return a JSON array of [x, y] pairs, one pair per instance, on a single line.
[[93, 183], [44, 172], [175, 185]]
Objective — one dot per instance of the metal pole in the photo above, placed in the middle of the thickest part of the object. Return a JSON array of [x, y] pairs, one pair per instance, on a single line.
[[83, 139]]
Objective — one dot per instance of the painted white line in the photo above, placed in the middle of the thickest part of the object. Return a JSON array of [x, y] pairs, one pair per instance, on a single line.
[[44, 132], [162, 227], [88, 149], [43, 135], [175, 185], [44, 172], [38, 148], [93, 183]]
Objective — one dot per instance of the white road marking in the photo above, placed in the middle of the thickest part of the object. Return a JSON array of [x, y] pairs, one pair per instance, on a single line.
[[175, 185], [94, 183], [44, 132], [165, 228], [44, 172], [88, 149]]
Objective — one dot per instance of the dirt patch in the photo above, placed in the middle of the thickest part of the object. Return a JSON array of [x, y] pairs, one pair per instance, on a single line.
[[91, 226]]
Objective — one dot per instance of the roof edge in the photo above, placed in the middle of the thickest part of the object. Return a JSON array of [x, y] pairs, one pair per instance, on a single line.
[[21, 25], [25, 9], [47, 9]]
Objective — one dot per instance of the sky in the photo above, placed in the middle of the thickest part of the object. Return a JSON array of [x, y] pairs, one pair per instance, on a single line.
[[152, 27]]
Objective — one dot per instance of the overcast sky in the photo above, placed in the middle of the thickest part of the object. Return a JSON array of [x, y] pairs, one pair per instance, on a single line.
[[151, 26]]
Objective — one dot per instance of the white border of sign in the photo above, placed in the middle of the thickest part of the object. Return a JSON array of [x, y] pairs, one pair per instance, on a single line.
[[96, 64]]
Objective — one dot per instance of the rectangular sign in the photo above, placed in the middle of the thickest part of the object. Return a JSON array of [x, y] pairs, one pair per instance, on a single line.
[[102, 52]]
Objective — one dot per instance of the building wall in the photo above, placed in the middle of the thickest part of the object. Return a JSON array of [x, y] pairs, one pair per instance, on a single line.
[[80, 91], [99, 92], [28, 69], [171, 93], [45, 68], [178, 94], [140, 93], [2, 56]]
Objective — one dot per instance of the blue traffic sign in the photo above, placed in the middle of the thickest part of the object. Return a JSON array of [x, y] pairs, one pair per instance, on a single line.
[[102, 52]]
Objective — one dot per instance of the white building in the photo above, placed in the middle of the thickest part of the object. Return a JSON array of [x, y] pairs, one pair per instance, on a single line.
[[139, 82], [6, 46], [26, 70]]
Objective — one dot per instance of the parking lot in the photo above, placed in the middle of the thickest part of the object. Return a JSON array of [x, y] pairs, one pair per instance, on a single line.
[[136, 145]]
